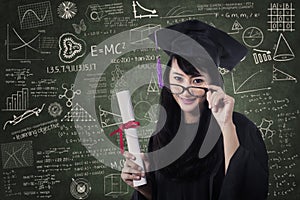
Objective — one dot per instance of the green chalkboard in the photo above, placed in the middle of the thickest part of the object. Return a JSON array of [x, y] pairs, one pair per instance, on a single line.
[[62, 63]]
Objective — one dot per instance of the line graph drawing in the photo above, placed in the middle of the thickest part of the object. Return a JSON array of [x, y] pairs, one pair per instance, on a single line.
[[179, 11], [239, 91], [150, 12], [35, 15], [17, 154], [18, 48], [36, 111]]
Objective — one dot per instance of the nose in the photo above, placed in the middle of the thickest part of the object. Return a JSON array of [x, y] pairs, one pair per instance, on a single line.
[[186, 93]]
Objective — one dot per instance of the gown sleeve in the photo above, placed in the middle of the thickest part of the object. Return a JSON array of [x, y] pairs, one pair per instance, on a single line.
[[247, 174]]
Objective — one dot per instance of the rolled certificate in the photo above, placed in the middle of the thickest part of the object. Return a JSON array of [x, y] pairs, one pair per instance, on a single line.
[[127, 115]]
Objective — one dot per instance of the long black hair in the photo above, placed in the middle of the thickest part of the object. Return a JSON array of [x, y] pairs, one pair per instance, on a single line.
[[170, 123]]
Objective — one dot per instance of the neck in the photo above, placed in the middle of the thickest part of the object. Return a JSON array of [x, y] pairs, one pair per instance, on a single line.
[[193, 117]]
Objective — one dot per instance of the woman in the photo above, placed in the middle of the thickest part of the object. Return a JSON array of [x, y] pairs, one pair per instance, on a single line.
[[201, 148]]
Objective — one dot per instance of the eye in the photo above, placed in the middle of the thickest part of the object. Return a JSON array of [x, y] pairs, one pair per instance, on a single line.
[[178, 78], [198, 81]]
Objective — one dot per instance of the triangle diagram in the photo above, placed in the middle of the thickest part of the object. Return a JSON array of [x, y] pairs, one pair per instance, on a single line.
[[236, 26], [153, 87], [279, 75], [78, 114]]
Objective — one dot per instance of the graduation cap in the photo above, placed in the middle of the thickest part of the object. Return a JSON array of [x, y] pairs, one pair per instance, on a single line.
[[194, 39], [204, 47]]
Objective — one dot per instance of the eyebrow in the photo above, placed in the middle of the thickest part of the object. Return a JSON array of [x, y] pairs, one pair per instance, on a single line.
[[196, 75]]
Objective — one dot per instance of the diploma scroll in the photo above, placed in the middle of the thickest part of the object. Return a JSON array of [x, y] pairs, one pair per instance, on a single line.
[[127, 115]]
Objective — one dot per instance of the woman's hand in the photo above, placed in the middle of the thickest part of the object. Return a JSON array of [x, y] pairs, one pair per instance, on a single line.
[[131, 171], [221, 105]]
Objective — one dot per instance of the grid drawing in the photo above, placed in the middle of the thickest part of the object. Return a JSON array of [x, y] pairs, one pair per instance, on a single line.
[[281, 17], [17, 154], [35, 15]]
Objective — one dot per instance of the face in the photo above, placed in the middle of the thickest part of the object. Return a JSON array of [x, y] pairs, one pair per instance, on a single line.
[[187, 101]]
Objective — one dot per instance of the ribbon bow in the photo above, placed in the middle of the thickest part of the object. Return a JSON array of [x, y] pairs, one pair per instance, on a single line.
[[122, 127]]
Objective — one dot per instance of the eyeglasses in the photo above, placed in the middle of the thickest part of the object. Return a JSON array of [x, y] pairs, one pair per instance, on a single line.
[[192, 90]]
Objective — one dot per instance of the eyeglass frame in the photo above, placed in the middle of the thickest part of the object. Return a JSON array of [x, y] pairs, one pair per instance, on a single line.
[[187, 88]]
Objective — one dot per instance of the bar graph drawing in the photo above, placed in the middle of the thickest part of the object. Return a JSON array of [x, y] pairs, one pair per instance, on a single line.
[[18, 101]]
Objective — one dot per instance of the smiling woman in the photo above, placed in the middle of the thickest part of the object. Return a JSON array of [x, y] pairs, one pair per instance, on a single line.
[[220, 153]]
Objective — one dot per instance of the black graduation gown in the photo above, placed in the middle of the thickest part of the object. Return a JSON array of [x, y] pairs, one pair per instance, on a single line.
[[246, 177]]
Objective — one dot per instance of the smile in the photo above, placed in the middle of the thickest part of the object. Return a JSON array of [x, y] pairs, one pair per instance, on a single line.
[[187, 101]]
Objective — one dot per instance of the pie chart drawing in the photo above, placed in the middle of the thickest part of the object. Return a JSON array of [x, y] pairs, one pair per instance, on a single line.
[[253, 37]]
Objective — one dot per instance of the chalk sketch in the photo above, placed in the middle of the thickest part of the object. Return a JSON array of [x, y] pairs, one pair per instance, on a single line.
[[80, 188], [283, 51], [70, 47], [108, 119], [79, 27], [17, 154], [236, 27], [17, 119], [253, 36], [150, 12], [114, 186], [55, 109], [140, 34], [266, 131], [279, 75], [35, 15], [67, 10], [153, 86], [239, 91], [18, 101], [281, 17], [178, 12], [69, 94], [18, 48], [261, 56], [78, 114]]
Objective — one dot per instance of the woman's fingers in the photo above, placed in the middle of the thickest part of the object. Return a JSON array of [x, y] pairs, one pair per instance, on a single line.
[[131, 171], [128, 155], [215, 98]]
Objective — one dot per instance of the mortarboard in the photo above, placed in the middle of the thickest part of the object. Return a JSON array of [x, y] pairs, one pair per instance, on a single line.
[[193, 38]]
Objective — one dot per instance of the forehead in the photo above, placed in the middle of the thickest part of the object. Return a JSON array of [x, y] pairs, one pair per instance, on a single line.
[[175, 68]]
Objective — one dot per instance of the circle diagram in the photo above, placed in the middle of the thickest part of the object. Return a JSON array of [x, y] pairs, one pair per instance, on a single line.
[[80, 188], [253, 37]]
